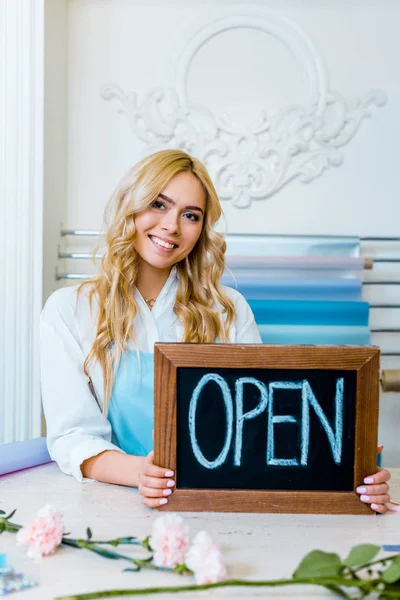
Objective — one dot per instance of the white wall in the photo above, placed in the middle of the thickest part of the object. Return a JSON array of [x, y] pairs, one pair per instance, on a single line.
[[129, 43], [132, 44], [55, 135]]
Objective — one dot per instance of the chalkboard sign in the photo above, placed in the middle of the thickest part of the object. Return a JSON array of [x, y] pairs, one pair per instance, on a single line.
[[259, 428]]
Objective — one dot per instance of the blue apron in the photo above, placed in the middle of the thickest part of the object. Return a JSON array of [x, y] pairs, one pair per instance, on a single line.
[[131, 409]]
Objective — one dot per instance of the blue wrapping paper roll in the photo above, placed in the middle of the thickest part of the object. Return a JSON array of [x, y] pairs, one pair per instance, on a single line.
[[348, 290], [300, 312], [22, 455], [242, 244], [303, 334], [296, 263]]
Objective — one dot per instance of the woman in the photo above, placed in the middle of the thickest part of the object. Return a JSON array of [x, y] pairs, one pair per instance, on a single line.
[[159, 281]]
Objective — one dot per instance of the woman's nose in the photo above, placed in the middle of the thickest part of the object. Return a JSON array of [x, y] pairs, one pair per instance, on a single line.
[[171, 223]]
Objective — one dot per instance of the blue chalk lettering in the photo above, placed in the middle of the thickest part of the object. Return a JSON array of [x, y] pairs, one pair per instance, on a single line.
[[240, 417], [335, 439], [279, 385], [227, 398]]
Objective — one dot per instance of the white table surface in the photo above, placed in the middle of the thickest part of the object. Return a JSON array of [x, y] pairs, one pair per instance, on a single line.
[[255, 546]]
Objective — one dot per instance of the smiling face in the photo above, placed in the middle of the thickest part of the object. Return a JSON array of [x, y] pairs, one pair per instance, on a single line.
[[168, 230]]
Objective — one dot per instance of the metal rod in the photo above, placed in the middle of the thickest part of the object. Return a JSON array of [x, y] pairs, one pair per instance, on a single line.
[[390, 353], [384, 305], [385, 330], [78, 255], [381, 282], [85, 232], [386, 260], [380, 239], [73, 275]]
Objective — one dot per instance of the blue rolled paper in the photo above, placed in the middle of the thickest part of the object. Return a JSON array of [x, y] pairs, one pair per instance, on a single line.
[[347, 290], [301, 312], [242, 244], [319, 335], [22, 455]]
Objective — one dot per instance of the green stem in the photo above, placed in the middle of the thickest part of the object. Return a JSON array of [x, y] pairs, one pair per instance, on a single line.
[[128, 541], [375, 562], [94, 547], [338, 591], [322, 581]]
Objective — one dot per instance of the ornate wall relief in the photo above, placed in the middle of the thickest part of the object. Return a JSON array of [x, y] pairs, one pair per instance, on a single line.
[[250, 162]]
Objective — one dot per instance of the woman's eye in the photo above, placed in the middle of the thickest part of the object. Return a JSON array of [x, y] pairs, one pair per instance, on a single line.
[[191, 216], [158, 204]]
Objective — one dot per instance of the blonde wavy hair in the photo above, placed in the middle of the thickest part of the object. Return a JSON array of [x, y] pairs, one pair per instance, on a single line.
[[201, 304]]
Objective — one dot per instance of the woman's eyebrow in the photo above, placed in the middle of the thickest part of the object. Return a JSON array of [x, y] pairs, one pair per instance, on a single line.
[[167, 199]]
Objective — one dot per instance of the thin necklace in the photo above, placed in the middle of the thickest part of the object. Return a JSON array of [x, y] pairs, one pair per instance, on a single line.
[[150, 302]]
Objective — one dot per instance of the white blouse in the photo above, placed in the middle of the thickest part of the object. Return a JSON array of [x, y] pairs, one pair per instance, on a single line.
[[76, 428]]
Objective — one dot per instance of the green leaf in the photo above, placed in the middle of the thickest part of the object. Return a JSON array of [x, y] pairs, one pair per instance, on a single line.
[[361, 555], [182, 569], [146, 544], [2, 512], [392, 573], [89, 533], [318, 564], [11, 514]]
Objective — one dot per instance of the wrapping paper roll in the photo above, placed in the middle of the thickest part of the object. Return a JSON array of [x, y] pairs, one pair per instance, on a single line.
[[302, 334], [294, 263], [273, 274], [240, 244], [348, 290], [288, 312], [390, 380], [22, 455]]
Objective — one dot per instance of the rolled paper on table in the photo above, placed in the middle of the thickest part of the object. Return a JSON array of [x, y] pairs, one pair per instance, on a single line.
[[390, 380], [241, 244], [22, 455], [253, 288], [293, 263], [300, 312], [314, 334]]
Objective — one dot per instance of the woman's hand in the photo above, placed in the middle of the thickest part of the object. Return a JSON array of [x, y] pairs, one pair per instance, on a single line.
[[375, 493], [155, 483]]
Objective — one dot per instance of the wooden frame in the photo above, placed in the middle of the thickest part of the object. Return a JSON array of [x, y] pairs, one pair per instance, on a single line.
[[363, 360]]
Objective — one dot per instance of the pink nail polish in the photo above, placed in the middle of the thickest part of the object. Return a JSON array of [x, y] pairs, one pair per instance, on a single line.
[[169, 474], [163, 501], [368, 480], [167, 492], [361, 490], [170, 483], [364, 498], [374, 506]]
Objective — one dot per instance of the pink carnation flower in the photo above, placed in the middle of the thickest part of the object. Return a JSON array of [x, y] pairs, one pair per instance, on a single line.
[[169, 540], [42, 537], [205, 559]]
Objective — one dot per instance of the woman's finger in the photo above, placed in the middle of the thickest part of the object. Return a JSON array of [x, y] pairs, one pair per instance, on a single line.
[[380, 499], [379, 508], [372, 490], [154, 502], [158, 482], [153, 470], [149, 492], [380, 477]]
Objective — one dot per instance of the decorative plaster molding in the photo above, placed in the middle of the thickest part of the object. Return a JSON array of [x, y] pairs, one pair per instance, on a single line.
[[21, 229], [250, 163]]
